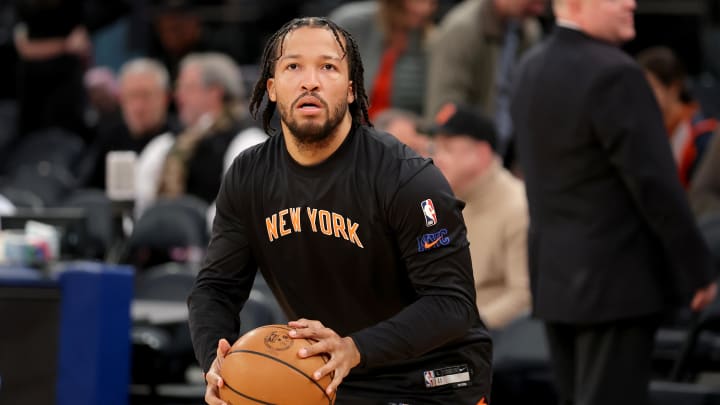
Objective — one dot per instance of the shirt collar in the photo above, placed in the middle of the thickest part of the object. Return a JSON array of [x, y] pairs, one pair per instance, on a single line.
[[571, 25]]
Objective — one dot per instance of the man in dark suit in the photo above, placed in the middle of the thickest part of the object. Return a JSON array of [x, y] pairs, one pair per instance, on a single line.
[[612, 243]]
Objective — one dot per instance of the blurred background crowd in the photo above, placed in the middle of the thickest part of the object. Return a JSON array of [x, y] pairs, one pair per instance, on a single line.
[[119, 117]]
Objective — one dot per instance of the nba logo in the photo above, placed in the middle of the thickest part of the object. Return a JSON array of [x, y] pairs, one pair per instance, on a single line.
[[428, 210], [429, 379]]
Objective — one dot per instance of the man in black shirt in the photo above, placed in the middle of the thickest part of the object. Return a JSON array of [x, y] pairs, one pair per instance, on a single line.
[[144, 86], [358, 237]]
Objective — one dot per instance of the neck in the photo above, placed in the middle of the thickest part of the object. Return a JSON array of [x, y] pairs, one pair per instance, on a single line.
[[315, 153], [500, 11], [145, 132], [479, 176]]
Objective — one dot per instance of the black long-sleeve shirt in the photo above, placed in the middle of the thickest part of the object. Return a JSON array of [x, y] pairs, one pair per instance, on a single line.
[[353, 242]]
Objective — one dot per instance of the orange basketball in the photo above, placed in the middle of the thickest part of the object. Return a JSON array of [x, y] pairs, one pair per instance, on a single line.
[[263, 367]]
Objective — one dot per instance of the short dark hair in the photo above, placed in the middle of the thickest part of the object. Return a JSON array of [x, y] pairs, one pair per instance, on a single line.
[[664, 64], [272, 52]]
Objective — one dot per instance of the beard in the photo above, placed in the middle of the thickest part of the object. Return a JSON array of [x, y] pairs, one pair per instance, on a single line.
[[312, 133]]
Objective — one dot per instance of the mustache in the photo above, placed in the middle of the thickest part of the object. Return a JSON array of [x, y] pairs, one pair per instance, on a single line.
[[309, 94]]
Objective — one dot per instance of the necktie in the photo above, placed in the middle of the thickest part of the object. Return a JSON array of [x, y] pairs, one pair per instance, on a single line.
[[503, 122]]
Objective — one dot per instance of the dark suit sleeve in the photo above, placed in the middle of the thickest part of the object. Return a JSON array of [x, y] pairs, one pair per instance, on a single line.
[[224, 283], [627, 120]]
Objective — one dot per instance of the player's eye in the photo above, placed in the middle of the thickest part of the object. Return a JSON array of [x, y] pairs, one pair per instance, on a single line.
[[329, 66], [292, 66]]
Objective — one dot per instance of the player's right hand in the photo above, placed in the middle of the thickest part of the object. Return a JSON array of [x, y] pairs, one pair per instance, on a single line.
[[212, 377]]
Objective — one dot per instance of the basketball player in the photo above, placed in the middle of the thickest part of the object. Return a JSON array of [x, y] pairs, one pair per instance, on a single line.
[[360, 239]]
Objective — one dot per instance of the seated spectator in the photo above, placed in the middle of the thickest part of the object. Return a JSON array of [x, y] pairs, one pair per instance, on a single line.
[[472, 53], [689, 128], [704, 195], [210, 102], [704, 190], [143, 93], [102, 93], [404, 126], [53, 44], [391, 38], [496, 212], [181, 27]]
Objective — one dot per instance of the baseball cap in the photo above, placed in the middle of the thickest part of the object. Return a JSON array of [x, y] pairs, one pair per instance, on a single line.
[[462, 120]]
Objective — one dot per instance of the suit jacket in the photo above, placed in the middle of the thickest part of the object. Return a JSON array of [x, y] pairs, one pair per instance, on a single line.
[[463, 55], [361, 19], [611, 234]]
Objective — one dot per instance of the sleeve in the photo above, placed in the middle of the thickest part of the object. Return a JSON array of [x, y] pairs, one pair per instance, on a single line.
[[450, 72], [627, 120], [225, 280], [705, 186], [430, 233], [515, 301], [245, 139]]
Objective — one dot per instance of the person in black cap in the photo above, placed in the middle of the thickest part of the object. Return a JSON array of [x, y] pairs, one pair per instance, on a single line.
[[496, 212]]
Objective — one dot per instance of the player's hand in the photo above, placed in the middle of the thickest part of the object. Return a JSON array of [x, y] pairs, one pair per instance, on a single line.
[[343, 352], [703, 297], [213, 379]]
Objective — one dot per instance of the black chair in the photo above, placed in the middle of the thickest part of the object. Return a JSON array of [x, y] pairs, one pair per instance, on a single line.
[[170, 230], [521, 365], [696, 349], [48, 182], [162, 348], [55, 146], [100, 229], [701, 348], [674, 393]]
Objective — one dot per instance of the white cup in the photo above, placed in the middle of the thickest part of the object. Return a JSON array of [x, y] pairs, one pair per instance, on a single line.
[[120, 175]]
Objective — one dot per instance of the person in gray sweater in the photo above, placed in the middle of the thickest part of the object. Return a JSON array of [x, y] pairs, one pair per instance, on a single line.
[[391, 38]]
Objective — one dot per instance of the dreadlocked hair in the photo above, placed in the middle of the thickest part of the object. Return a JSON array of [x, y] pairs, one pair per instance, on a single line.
[[273, 51]]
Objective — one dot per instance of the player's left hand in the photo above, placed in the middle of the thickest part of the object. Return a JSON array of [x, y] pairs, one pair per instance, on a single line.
[[344, 354]]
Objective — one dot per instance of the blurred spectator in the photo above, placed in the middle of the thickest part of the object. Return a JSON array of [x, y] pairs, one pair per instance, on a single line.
[[495, 212], [179, 27], [404, 126], [472, 55], [143, 92], [102, 93], [211, 107], [391, 36], [54, 46], [705, 187], [689, 128], [704, 195]]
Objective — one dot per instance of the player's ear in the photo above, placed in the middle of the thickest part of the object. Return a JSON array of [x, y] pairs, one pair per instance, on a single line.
[[270, 85], [351, 93]]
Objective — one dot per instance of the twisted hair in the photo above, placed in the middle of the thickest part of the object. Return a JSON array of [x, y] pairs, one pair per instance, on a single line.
[[273, 51]]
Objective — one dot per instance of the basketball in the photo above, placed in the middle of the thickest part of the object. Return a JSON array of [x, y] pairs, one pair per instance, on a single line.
[[263, 367]]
